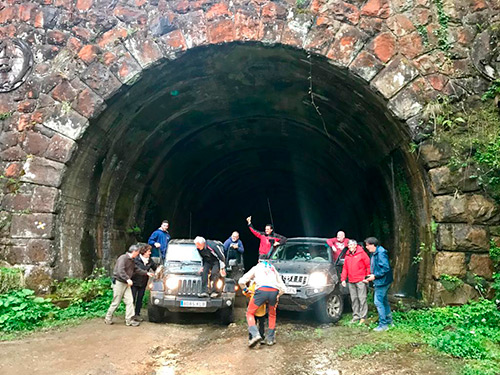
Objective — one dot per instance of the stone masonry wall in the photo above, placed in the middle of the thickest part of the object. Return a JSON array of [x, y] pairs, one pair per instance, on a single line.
[[84, 51], [466, 220]]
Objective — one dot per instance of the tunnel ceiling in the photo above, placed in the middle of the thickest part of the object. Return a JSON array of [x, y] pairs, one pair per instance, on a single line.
[[223, 129]]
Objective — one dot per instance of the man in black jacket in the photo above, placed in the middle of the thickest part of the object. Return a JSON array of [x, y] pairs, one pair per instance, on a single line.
[[122, 281], [213, 262], [145, 263]]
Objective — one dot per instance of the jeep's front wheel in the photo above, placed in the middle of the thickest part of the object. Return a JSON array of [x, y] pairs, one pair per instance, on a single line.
[[226, 315], [329, 309], [156, 314]]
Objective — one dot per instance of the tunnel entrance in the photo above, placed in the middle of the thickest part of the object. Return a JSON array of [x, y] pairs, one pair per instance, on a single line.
[[224, 132]]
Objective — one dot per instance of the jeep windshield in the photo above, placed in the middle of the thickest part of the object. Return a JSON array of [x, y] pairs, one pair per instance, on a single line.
[[184, 253], [310, 252]]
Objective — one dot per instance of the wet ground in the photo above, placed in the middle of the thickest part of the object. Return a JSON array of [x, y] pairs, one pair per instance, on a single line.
[[194, 344]]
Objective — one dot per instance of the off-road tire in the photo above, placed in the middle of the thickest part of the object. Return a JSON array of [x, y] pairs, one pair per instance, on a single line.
[[329, 309], [226, 315], [156, 314]]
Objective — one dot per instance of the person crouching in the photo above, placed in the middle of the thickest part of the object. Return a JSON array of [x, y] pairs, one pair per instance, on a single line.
[[269, 287], [260, 314]]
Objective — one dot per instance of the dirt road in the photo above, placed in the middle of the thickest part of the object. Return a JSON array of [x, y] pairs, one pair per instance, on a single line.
[[195, 345]]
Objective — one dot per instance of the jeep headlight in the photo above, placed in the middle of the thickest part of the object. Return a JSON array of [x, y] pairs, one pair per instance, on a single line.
[[318, 280], [172, 283]]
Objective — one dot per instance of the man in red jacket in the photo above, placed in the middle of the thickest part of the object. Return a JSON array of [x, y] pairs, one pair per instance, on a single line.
[[267, 239], [338, 243], [356, 269]]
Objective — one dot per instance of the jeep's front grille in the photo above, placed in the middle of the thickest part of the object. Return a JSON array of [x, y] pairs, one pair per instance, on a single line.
[[293, 279], [190, 286]]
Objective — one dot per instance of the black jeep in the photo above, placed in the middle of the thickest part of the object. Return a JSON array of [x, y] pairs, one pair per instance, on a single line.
[[177, 284], [312, 278]]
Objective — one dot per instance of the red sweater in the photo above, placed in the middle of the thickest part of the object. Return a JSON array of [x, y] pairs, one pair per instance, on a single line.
[[267, 241], [333, 242], [356, 266]]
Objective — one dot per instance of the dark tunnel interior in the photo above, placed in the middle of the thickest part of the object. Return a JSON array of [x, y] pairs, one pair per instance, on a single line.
[[224, 132]]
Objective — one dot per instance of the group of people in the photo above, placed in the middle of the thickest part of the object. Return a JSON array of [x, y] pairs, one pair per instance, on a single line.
[[359, 270], [130, 278], [262, 283]]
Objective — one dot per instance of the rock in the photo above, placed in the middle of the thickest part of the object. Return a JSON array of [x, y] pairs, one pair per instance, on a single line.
[[472, 209], [39, 279], [434, 154], [462, 237], [347, 43], [449, 208], [443, 180], [405, 104], [481, 209], [146, 52], [460, 296], [394, 77], [161, 27], [481, 265], [43, 171], [39, 225], [44, 199], [449, 263], [366, 66]]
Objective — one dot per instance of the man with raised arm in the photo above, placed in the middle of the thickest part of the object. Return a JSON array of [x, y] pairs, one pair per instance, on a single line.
[[268, 238]]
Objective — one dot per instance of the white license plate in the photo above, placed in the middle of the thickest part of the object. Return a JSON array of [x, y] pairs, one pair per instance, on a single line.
[[193, 303], [290, 290]]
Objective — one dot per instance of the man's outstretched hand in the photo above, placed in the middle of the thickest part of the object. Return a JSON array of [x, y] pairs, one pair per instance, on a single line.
[[249, 220]]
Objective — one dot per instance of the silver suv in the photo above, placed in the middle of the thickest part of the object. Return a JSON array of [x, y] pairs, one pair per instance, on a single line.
[[177, 284], [312, 278]]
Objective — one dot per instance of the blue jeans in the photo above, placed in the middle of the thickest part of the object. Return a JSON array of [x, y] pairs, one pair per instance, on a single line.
[[382, 305]]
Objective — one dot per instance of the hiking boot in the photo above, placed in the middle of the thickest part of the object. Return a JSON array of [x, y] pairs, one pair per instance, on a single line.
[[353, 321], [254, 341], [108, 321], [271, 337], [132, 323], [138, 318], [255, 336], [203, 295], [381, 328], [214, 295]]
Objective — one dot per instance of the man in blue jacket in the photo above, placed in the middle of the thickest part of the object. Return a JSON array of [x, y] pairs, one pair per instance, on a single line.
[[159, 240], [382, 279], [233, 247]]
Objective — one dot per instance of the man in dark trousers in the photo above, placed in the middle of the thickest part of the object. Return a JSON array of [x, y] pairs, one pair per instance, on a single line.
[[159, 240], [381, 275], [213, 262], [268, 238], [123, 272]]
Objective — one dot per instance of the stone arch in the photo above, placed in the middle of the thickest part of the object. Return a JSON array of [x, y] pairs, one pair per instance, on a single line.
[[93, 51]]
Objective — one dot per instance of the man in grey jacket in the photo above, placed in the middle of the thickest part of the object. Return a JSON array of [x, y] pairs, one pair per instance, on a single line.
[[125, 268]]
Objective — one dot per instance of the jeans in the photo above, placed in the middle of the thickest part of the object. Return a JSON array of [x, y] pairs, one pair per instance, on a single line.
[[382, 305]]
